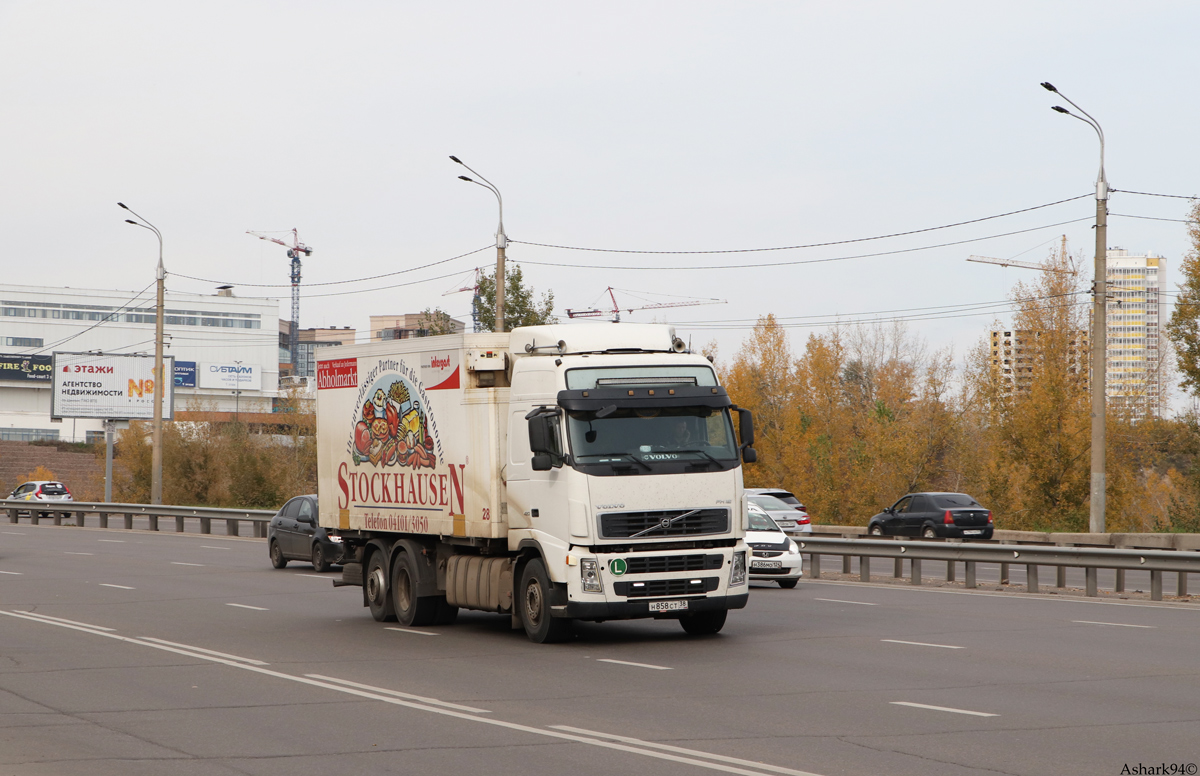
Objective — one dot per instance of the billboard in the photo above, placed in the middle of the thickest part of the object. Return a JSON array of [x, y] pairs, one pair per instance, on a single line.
[[185, 374], [230, 376], [95, 385], [26, 368]]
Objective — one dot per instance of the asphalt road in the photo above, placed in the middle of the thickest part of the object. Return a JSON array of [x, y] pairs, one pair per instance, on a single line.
[[139, 653]]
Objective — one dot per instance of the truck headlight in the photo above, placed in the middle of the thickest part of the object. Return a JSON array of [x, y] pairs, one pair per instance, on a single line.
[[737, 573], [589, 575]]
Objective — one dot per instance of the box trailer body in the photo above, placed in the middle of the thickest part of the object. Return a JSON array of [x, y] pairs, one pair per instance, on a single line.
[[474, 471]]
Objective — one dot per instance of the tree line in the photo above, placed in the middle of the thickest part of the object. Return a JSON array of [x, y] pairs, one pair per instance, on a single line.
[[865, 414]]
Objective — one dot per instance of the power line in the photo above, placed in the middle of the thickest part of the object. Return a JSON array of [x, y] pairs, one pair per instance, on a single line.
[[1152, 218], [810, 245], [332, 282], [1150, 194], [804, 261]]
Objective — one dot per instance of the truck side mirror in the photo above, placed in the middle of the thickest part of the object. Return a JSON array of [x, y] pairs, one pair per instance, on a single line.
[[749, 454], [745, 426], [539, 434], [542, 462]]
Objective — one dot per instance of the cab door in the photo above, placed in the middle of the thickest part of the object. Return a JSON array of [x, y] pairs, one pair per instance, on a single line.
[[893, 523], [536, 499], [287, 529]]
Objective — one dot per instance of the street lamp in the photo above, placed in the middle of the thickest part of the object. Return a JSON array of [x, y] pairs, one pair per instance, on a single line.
[[1099, 322], [156, 437], [501, 241]]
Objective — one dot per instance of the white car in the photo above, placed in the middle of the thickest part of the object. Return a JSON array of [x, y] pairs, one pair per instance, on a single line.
[[41, 490], [786, 516], [775, 556]]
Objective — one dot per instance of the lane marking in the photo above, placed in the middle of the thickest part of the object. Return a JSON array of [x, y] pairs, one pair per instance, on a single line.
[[407, 630], [921, 644], [63, 621], [645, 751], [1014, 595], [77, 553], [398, 694], [627, 663], [12, 533], [312, 576], [119, 587], [1114, 624], [943, 708], [251, 661], [181, 563], [693, 752], [113, 541], [14, 573], [840, 601], [248, 606], [211, 547]]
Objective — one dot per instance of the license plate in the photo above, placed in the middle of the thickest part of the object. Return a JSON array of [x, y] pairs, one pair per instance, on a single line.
[[766, 564], [976, 532], [667, 606]]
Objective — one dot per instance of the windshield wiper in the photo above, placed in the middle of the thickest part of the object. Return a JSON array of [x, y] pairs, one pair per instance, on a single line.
[[706, 455], [631, 456]]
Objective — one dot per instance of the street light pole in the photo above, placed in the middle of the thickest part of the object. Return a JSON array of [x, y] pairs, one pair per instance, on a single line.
[[1099, 325], [501, 241], [156, 436]]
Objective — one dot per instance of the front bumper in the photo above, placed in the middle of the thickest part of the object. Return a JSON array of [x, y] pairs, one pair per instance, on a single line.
[[631, 610]]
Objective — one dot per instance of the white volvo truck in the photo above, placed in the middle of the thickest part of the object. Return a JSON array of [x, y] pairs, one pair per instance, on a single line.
[[554, 473]]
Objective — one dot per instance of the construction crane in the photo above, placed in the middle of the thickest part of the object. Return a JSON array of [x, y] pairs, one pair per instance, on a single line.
[[295, 248], [615, 312], [475, 300], [1025, 264]]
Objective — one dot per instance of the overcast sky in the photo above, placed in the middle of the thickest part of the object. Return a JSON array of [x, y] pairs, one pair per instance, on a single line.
[[662, 126]]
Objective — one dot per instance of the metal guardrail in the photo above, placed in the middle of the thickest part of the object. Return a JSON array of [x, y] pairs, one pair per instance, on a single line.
[[1090, 559], [60, 510]]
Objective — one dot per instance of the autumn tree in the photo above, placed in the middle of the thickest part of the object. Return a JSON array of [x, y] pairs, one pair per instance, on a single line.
[[521, 307], [1033, 406], [1184, 327]]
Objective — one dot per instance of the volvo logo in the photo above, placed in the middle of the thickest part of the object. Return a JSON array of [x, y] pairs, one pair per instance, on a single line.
[[665, 522]]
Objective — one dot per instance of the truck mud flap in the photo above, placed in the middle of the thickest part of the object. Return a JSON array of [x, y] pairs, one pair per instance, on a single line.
[[352, 574]]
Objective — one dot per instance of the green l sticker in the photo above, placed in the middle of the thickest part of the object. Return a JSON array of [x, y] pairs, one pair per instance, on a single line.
[[618, 566]]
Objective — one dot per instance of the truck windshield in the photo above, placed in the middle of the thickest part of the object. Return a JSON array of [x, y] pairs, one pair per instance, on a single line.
[[650, 436]]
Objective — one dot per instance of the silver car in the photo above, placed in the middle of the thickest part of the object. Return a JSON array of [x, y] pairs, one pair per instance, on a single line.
[[785, 515], [775, 558]]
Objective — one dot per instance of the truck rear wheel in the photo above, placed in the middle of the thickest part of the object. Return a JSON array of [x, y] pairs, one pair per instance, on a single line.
[[534, 607], [375, 589], [410, 609], [704, 623]]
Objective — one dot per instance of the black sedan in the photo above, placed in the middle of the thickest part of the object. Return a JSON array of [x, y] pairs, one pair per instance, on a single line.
[[295, 535], [933, 515]]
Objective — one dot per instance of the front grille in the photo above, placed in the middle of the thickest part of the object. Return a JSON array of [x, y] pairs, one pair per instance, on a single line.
[[767, 553], [768, 545], [654, 588], [659, 564], [622, 525], [755, 572]]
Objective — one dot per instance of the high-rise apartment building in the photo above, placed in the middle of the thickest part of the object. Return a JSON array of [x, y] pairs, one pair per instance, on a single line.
[[1136, 340]]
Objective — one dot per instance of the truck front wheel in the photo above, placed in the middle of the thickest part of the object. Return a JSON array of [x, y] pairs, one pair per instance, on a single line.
[[704, 623], [375, 588], [534, 606], [410, 609]]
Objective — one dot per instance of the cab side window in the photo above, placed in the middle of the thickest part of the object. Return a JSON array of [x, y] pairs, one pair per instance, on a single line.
[[292, 508], [306, 509], [904, 505]]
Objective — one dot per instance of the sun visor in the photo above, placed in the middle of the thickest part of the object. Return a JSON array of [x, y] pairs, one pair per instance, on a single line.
[[645, 396]]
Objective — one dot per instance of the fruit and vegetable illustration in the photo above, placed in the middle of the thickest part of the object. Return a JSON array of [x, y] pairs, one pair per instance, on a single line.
[[392, 430]]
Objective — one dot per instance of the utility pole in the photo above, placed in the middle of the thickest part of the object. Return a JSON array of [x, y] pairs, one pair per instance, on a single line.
[[156, 436], [501, 241], [1099, 326]]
